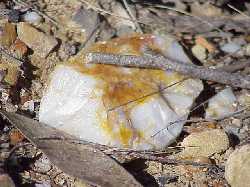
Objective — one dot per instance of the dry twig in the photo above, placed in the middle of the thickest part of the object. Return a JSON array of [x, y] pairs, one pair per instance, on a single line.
[[102, 11], [188, 14], [132, 16], [160, 62], [10, 57], [240, 12]]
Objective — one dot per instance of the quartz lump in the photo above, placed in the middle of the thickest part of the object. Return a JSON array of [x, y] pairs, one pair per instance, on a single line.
[[93, 101]]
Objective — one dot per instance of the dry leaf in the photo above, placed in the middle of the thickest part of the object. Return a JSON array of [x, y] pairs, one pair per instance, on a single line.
[[79, 160]]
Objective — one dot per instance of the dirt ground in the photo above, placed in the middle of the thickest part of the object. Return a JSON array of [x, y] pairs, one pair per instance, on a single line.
[[213, 33]]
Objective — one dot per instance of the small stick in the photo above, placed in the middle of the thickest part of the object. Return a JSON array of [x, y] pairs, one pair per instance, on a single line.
[[188, 14], [10, 57], [132, 16], [161, 62], [103, 11], [240, 12]]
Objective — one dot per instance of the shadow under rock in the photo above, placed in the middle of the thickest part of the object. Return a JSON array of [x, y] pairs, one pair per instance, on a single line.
[[136, 168]]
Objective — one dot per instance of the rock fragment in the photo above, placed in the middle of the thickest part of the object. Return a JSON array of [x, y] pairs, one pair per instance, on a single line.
[[86, 20], [123, 25], [91, 99], [205, 143], [171, 47], [247, 50], [230, 47], [200, 40], [237, 171], [8, 35], [199, 52], [42, 165], [19, 49], [39, 42], [12, 72], [222, 104], [32, 17], [244, 98], [82, 24]]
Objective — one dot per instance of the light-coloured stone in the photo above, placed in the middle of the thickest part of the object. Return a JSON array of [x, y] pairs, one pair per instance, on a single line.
[[101, 104], [222, 104], [32, 17], [237, 171], [39, 42], [42, 165], [199, 52], [244, 98], [205, 143], [247, 49], [171, 48], [230, 47]]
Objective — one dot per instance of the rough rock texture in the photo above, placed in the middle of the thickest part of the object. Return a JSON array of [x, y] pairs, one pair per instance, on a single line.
[[237, 170], [199, 52], [222, 104], [107, 104], [8, 35], [205, 143], [39, 42]]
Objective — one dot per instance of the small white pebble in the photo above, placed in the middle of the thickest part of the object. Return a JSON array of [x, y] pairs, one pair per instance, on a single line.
[[32, 17], [230, 47]]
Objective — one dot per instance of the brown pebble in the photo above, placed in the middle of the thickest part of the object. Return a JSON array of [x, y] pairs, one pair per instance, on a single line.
[[8, 35], [19, 49], [15, 136]]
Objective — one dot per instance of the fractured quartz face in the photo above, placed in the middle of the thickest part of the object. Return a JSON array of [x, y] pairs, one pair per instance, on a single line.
[[119, 106], [222, 104]]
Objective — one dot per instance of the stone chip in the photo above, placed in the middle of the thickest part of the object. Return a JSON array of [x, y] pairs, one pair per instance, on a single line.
[[205, 143], [39, 42], [237, 171]]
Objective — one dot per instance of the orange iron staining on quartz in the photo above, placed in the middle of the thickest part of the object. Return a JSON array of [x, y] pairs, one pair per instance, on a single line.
[[118, 106]]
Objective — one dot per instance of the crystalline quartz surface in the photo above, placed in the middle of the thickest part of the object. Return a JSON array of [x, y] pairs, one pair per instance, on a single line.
[[120, 106], [222, 104]]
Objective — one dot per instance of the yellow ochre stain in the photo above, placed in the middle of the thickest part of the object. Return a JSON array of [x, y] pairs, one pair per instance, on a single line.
[[119, 86], [125, 135]]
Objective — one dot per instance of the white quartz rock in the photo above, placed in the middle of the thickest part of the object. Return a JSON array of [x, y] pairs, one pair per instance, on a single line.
[[150, 119], [222, 104], [171, 48], [32, 18], [93, 102], [73, 103]]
